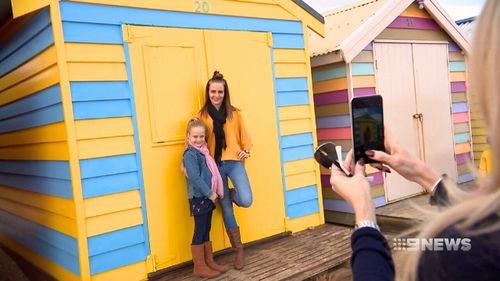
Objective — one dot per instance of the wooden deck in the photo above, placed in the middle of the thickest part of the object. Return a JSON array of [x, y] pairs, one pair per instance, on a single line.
[[295, 257], [317, 254]]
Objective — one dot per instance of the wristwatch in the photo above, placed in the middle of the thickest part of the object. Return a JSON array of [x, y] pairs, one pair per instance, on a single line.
[[367, 223]]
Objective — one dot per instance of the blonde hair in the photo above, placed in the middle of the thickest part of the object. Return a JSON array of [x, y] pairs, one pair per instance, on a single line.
[[469, 208], [194, 123]]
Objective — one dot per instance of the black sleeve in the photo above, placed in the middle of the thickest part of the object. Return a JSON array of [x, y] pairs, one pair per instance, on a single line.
[[440, 196], [371, 257]]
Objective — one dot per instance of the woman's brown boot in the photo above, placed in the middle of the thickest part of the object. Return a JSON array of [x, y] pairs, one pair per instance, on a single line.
[[235, 238], [200, 268], [209, 258]]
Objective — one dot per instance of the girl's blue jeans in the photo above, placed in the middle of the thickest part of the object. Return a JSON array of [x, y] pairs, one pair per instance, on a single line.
[[235, 171]]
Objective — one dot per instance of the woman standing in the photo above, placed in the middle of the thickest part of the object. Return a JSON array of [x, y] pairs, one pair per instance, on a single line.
[[230, 144]]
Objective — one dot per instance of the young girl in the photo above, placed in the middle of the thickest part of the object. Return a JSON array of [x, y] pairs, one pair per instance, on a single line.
[[204, 187]]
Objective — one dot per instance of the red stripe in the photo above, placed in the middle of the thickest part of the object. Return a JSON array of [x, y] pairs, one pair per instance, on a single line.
[[334, 134], [460, 117]]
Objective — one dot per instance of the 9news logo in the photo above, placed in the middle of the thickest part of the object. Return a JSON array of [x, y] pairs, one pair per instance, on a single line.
[[432, 244]]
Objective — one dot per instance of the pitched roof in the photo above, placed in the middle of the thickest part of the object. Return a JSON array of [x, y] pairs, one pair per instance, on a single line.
[[350, 28]]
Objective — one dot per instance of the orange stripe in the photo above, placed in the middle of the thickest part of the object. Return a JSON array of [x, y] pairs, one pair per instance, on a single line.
[[457, 76], [414, 11], [330, 85], [462, 148], [367, 81], [334, 134]]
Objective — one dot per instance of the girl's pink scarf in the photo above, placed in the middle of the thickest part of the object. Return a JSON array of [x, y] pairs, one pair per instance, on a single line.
[[217, 185]]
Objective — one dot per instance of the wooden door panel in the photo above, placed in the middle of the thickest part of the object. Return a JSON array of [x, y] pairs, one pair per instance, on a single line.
[[395, 83]]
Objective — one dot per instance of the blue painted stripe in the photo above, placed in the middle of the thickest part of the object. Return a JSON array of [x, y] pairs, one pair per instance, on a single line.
[[292, 98], [288, 41], [105, 185], [460, 107], [32, 242], [101, 109], [465, 178], [46, 97], [33, 47], [457, 66], [461, 138], [138, 150], [302, 209], [43, 185], [32, 28], [94, 91], [359, 68], [339, 121], [92, 33], [296, 140], [301, 194], [115, 240], [81, 12], [47, 235], [111, 165], [291, 84], [343, 206], [118, 258], [327, 74], [47, 115], [56, 169], [297, 153]]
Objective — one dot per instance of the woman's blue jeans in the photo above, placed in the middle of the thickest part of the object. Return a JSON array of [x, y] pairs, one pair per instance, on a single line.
[[235, 171]]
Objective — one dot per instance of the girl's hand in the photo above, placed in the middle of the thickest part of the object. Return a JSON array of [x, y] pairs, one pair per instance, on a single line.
[[355, 190], [213, 197], [243, 154], [406, 164]]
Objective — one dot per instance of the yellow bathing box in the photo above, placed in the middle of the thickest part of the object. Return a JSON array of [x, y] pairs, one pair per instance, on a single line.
[[94, 99]]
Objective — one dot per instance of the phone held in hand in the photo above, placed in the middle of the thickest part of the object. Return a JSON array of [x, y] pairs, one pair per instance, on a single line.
[[367, 126]]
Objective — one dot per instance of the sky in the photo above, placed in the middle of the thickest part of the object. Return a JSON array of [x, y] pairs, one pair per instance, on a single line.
[[457, 9]]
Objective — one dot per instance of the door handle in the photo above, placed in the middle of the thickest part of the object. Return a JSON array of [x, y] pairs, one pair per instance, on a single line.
[[418, 116]]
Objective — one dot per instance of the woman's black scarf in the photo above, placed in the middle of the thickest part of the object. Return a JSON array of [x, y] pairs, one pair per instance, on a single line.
[[219, 117]]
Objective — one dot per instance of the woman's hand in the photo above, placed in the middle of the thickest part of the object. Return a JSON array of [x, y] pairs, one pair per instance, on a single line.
[[355, 190], [243, 154], [406, 164], [213, 197]]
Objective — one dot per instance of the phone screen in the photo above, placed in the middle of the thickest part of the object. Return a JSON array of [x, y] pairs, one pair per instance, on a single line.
[[367, 126]]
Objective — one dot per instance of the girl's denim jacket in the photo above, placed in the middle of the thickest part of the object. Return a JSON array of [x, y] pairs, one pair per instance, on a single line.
[[199, 177]]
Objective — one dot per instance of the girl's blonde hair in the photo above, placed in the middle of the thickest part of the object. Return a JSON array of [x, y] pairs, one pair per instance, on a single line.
[[469, 208], [195, 123]]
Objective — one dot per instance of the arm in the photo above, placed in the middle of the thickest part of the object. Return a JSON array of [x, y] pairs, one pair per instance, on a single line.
[[371, 257], [194, 174], [246, 142]]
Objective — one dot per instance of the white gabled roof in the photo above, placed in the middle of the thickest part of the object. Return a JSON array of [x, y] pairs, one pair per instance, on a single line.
[[350, 28]]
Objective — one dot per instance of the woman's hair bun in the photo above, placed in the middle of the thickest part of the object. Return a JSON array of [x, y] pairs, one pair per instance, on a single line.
[[217, 75]]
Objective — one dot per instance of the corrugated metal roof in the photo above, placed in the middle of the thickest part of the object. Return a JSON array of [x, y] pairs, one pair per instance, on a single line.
[[467, 26], [342, 22]]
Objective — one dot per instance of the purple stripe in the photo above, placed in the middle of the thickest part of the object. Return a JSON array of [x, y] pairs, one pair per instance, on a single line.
[[458, 87], [339, 121], [378, 178], [463, 158], [369, 47], [414, 23], [452, 47], [361, 92], [331, 97]]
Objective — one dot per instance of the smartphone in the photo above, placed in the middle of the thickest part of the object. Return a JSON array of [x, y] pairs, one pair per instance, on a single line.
[[367, 126]]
